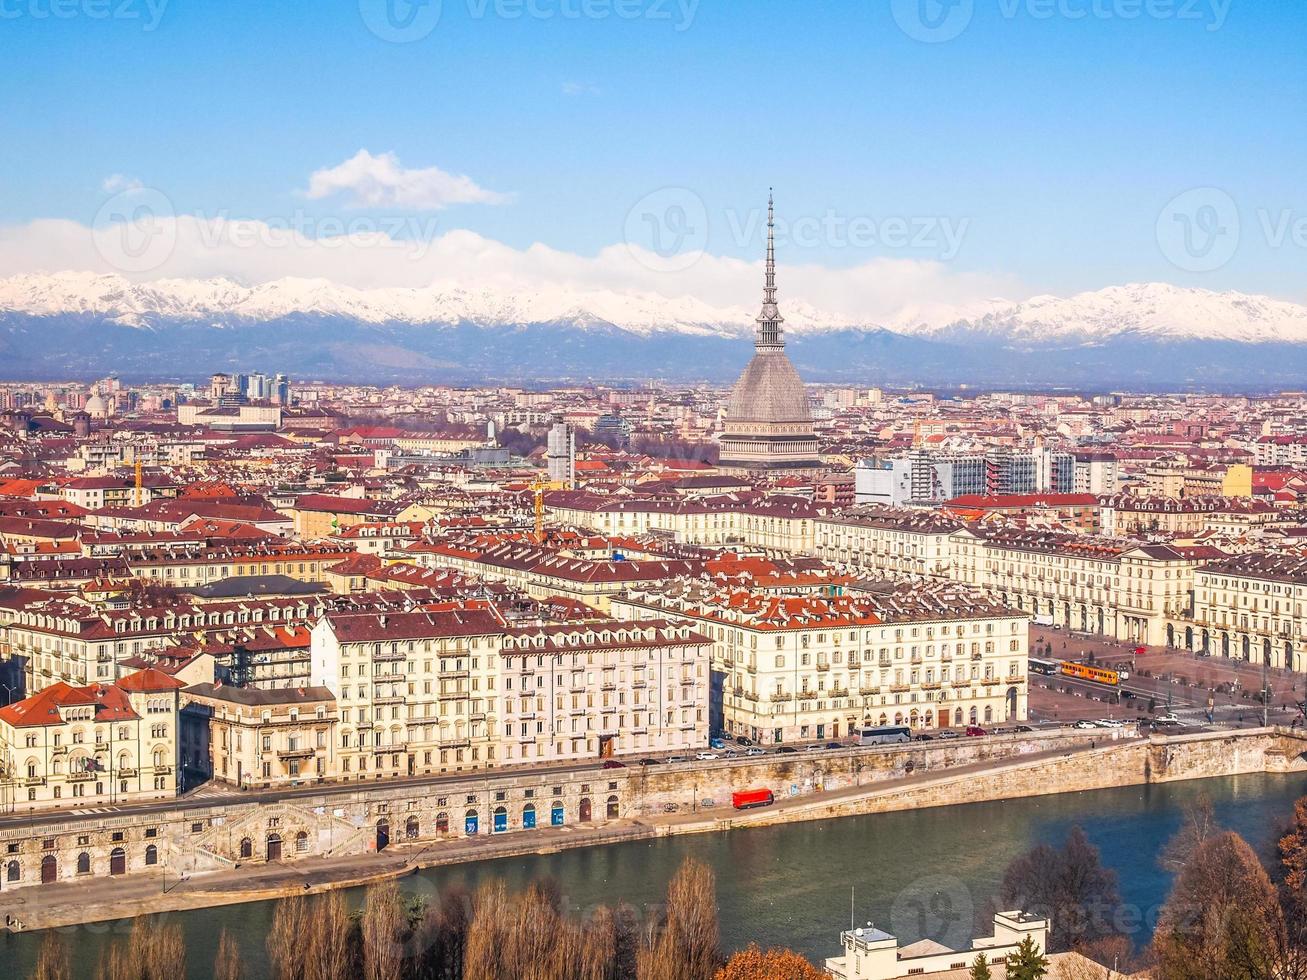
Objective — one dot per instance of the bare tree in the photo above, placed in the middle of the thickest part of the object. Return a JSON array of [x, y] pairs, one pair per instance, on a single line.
[[285, 942], [1222, 918], [688, 947], [227, 964], [487, 933], [384, 928], [329, 945], [444, 935], [1198, 827], [52, 962]]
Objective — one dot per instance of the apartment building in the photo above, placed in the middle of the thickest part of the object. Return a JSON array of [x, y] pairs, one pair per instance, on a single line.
[[581, 691], [803, 666], [887, 541], [1094, 584], [1248, 606], [91, 746], [259, 738], [459, 688]]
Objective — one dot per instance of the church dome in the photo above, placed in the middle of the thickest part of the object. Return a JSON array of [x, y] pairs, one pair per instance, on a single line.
[[769, 390], [95, 407]]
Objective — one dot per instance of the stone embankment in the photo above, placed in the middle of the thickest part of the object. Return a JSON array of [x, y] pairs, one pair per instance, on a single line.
[[660, 803]]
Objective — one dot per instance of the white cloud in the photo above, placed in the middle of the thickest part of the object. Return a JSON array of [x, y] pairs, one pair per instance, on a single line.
[[382, 182], [377, 254], [116, 183]]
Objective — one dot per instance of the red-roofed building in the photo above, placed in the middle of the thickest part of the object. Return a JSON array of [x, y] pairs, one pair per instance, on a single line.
[[96, 745]]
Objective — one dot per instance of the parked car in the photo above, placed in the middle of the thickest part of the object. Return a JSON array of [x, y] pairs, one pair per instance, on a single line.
[[1023, 729], [1110, 723], [1082, 725], [707, 756], [707, 803], [679, 758], [613, 764], [836, 745], [787, 750], [949, 734], [812, 748], [743, 740], [670, 807], [923, 737], [1168, 716], [647, 762], [730, 754], [755, 750], [975, 731], [716, 743]]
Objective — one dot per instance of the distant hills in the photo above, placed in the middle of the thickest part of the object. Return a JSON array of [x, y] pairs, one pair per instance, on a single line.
[[1141, 336]]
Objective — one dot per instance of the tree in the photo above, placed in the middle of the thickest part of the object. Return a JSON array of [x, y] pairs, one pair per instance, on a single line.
[[52, 962], [384, 927], [1198, 827], [752, 963], [980, 969], [285, 943], [1222, 918], [330, 943], [1069, 887], [227, 964], [1027, 963]]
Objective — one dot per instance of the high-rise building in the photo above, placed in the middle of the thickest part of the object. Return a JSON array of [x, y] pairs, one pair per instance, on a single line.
[[768, 423]]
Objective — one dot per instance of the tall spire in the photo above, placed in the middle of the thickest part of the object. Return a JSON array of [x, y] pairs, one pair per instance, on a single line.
[[769, 335]]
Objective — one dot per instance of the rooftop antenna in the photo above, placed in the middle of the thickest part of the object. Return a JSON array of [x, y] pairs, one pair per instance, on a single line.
[[851, 921]]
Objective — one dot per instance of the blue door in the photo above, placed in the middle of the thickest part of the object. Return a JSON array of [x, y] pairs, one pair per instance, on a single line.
[[470, 823], [556, 815], [501, 820], [529, 817]]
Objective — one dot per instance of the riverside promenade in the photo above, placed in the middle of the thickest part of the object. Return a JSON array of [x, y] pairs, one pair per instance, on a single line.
[[1114, 761]]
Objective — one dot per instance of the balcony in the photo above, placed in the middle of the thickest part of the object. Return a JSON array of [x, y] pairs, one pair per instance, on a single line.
[[823, 667], [389, 699], [392, 747], [899, 688], [455, 743], [80, 777], [931, 686], [839, 692], [389, 657], [452, 695], [304, 753], [782, 696], [125, 773], [1013, 679], [638, 682], [34, 781], [163, 770], [390, 678], [868, 691]]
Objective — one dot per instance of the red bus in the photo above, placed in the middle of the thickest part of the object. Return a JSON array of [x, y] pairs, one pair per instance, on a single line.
[[750, 798]]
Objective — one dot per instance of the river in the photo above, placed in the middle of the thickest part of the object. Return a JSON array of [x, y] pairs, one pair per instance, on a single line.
[[915, 873]]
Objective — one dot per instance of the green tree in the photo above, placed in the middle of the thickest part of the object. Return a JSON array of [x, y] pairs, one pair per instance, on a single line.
[[980, 968], [1027, 963]]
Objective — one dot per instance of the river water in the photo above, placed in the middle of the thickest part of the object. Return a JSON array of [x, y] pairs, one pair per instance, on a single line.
[[915, 873]]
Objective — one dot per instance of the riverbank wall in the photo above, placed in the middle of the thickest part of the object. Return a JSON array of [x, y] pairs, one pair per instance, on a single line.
[[655, 804]]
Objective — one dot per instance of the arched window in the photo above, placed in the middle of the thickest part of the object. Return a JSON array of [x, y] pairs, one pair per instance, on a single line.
[[247, 848], [151, 856], [989, 713], [83, 863], [13, 872], [411, 828], [301, 842], [117, 861]]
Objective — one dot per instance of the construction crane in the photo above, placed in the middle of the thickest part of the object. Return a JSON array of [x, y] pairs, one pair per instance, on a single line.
[[139, 490], [538, 488]]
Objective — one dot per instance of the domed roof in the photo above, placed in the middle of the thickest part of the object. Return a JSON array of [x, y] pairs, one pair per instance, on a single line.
[[95, 405], [769, 390]]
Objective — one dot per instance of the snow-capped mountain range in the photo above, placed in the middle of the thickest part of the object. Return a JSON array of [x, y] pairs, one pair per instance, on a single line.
[[1149, 335], [1155, 310]]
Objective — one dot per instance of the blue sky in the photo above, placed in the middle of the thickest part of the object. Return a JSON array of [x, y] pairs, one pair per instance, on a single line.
[[1055, 132]]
